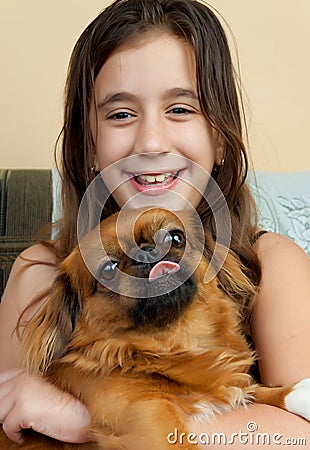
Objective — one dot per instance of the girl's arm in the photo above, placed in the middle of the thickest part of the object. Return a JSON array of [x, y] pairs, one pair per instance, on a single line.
[[28, 401], [257, 426], [281, 332], [281, 327]]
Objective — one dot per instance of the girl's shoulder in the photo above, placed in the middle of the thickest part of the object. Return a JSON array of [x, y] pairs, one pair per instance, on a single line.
[[41, 253], [32, 273], [271, 246], [31, 276], [283, 263]]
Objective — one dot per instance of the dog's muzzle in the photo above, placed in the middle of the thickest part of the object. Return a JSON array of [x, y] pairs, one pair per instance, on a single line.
[[161, 310], [148, 256]]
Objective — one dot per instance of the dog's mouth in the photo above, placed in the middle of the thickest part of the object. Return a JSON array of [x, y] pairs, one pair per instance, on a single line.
[[163, 268], [167, 294]]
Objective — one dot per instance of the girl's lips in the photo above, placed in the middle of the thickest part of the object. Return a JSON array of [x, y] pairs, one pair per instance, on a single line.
[[155, 188]]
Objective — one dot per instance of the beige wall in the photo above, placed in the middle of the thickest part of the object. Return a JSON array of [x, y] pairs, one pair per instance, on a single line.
[[273, 39]]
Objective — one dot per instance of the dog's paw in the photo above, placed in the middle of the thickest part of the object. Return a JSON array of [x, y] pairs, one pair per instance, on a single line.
[[298, 400]]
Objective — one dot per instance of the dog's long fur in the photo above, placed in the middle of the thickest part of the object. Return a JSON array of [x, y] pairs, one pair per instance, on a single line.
[[142, 366]]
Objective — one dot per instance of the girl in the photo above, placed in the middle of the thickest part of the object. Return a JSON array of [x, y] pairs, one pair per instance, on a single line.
[[151, 82]]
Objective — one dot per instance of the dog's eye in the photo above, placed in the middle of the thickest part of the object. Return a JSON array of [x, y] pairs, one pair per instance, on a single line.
[[107, 270], [175, 237]]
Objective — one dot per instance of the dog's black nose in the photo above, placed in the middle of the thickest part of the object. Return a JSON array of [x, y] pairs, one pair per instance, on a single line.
[[146, 255]]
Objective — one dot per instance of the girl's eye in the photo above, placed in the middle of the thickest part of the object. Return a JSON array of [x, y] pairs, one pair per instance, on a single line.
[[181, 111], [122, 115]]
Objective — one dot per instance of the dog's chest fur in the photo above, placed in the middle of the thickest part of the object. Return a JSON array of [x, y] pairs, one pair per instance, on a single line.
[[199, 363]]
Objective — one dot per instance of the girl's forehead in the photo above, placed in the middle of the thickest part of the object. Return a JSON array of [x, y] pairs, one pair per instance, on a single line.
[[153, 57], [144, 38]]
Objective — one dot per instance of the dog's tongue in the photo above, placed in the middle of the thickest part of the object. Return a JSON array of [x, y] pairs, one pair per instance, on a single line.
[[163, 268]]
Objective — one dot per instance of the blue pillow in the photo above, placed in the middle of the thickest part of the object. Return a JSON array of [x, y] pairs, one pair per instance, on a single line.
[[283, 202]]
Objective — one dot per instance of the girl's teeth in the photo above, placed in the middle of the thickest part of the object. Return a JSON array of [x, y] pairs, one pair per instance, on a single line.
[[160, 178], [155, 178]]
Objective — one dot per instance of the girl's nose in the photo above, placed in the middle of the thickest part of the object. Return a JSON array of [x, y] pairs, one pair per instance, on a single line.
[[152, 136]]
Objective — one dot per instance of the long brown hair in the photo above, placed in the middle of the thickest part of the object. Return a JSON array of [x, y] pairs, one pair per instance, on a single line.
[[197, 24]]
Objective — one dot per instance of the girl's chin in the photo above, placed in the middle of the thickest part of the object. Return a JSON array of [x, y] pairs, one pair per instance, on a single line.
[[168, 199]]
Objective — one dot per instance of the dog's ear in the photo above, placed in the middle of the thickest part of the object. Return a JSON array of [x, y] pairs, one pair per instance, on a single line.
[[235, 277], [232, 275], [47, 334]]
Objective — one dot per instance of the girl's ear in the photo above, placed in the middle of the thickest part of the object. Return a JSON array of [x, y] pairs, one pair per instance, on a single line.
[[219, 150], [96, 164], [46, 336]]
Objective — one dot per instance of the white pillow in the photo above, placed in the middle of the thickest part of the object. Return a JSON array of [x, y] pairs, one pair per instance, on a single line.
[[283, 201]]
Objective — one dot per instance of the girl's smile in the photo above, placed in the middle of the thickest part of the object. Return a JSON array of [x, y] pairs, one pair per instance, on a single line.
[[151, 131], [155, 183]]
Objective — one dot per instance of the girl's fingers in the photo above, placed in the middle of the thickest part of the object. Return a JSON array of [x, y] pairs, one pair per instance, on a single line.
[[13, 430], [28, 401], [8, 418]]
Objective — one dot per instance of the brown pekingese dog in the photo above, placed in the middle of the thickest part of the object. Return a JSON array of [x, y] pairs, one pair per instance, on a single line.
[[133, 330]]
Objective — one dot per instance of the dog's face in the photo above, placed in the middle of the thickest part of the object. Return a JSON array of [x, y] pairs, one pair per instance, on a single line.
[[143, 267]]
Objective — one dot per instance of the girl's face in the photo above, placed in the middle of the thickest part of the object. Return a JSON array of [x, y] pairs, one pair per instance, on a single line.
[[152, 139]]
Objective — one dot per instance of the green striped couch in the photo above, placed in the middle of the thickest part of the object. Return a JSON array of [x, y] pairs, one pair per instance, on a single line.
[[26, 205]]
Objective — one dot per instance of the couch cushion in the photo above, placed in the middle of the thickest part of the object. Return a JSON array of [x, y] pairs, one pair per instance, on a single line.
[[25, 209], [283, 201]]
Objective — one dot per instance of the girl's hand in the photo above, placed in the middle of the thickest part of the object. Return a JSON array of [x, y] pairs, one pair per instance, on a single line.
[[28, 401]]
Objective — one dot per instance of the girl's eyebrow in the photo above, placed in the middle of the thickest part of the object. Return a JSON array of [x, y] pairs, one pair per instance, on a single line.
[[116, 98], [127, 96], [182, 92]]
